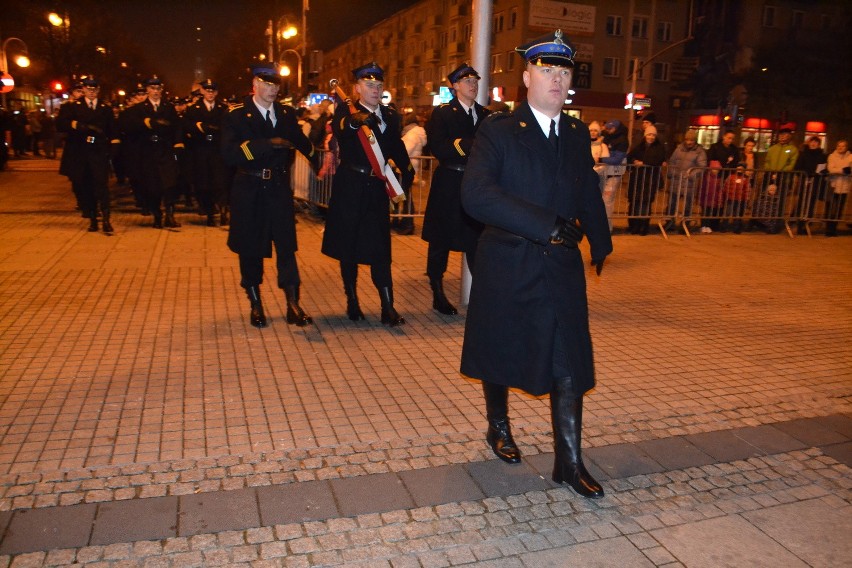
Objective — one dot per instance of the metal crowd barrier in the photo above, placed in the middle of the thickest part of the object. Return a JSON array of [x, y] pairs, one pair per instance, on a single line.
[[316, 188], [724, 199], [639, 197]]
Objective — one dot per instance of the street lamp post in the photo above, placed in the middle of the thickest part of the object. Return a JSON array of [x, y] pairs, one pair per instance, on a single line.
[[21, 61], [298, 65]]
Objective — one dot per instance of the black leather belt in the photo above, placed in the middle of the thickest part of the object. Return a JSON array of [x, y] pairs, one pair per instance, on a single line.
[[368, 171], [154, 138], [90, 139], [456, 167], [262, 174]]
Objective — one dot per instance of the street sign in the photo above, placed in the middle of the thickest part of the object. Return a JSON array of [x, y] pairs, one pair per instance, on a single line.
[[7, 83]]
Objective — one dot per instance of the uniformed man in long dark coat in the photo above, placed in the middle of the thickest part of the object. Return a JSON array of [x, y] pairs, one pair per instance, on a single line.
[[89, 124], [203, 123], [156, 124], [530, 180], [357, 229], [446, 226], [258, 135], [131, 144], [68, 157]]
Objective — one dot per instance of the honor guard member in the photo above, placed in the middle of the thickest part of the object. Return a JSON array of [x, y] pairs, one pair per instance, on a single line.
[[203, 123], [68, 153], [183, 187], [530, 180], [357, 229], [90, 127], [258, 136], [446, 226], [156, 123], [130, 147]]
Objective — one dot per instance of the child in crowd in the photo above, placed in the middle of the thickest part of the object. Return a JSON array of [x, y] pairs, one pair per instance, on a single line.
[[712, 199], [737, 194]]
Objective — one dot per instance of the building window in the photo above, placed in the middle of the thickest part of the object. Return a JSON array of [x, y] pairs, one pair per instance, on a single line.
[[641, 74], [797, 20], [453, 34], [662, 70], [513, 19], [640, 27], [467, 31], [511, 60], [769, 13], [611, 67], [664, 31], [497, 63], [443, 41], [613, 25], [498, 23]]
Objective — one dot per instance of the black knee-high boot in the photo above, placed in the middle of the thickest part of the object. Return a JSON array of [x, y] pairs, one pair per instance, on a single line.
[[295, 314], [389, 314], [566, 410], [350, 280], [499, 435], [439, 299], [257, 318]]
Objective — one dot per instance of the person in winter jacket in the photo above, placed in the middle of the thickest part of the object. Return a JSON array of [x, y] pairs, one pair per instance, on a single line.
[[647, 157], [685, 169], [615, 139], [810, 159], [839, 181]]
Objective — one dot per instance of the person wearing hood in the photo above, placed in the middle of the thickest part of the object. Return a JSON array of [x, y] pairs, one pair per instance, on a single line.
[[686, 166], [647, 157], [615, 139]]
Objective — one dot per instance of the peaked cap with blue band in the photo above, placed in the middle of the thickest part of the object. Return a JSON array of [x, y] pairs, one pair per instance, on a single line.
[[369, 71], [550, 49], [462, 71], [209, 85], [267, 72]]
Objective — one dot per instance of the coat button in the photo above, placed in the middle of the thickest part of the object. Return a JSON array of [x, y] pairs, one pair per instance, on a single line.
[[546, 252]]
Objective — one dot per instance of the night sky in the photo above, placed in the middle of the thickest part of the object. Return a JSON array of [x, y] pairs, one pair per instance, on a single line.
[[166, 29]]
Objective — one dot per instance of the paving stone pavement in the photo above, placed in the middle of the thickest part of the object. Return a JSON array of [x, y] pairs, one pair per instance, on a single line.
[[129, 377]]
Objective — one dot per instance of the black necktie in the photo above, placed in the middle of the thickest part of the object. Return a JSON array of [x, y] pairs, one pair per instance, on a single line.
[[552, 138], [92, 105], [378, 121], [269, 119], [470, 114]]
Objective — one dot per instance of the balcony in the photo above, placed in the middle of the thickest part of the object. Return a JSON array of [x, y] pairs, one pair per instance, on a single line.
[[435, 21], [433, 55]]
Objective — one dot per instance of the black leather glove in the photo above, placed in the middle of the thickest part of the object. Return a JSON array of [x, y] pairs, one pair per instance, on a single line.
[[847, 170], [363, 119], [566, 233], [598, 264]]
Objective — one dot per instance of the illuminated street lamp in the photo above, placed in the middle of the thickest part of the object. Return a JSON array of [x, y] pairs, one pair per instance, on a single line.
[[55, 19], [21, 60]]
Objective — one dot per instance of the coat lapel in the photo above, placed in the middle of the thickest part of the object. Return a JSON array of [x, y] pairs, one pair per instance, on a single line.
[[531, 136]]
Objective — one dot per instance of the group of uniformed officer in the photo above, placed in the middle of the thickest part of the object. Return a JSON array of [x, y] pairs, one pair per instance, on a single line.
[[162, 148]]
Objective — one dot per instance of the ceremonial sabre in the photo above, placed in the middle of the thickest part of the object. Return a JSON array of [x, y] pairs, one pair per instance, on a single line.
[[382, 169]]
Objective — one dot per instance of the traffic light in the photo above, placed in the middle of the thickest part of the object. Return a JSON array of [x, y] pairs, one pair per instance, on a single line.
[[57, 86]]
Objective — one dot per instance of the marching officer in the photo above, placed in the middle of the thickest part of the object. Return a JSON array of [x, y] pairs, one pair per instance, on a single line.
[[157, 126], [130, 147], [68, 150], [446, 226], [358, 223], [89, 124], [203, 122], [258, 135], [531, 181]]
